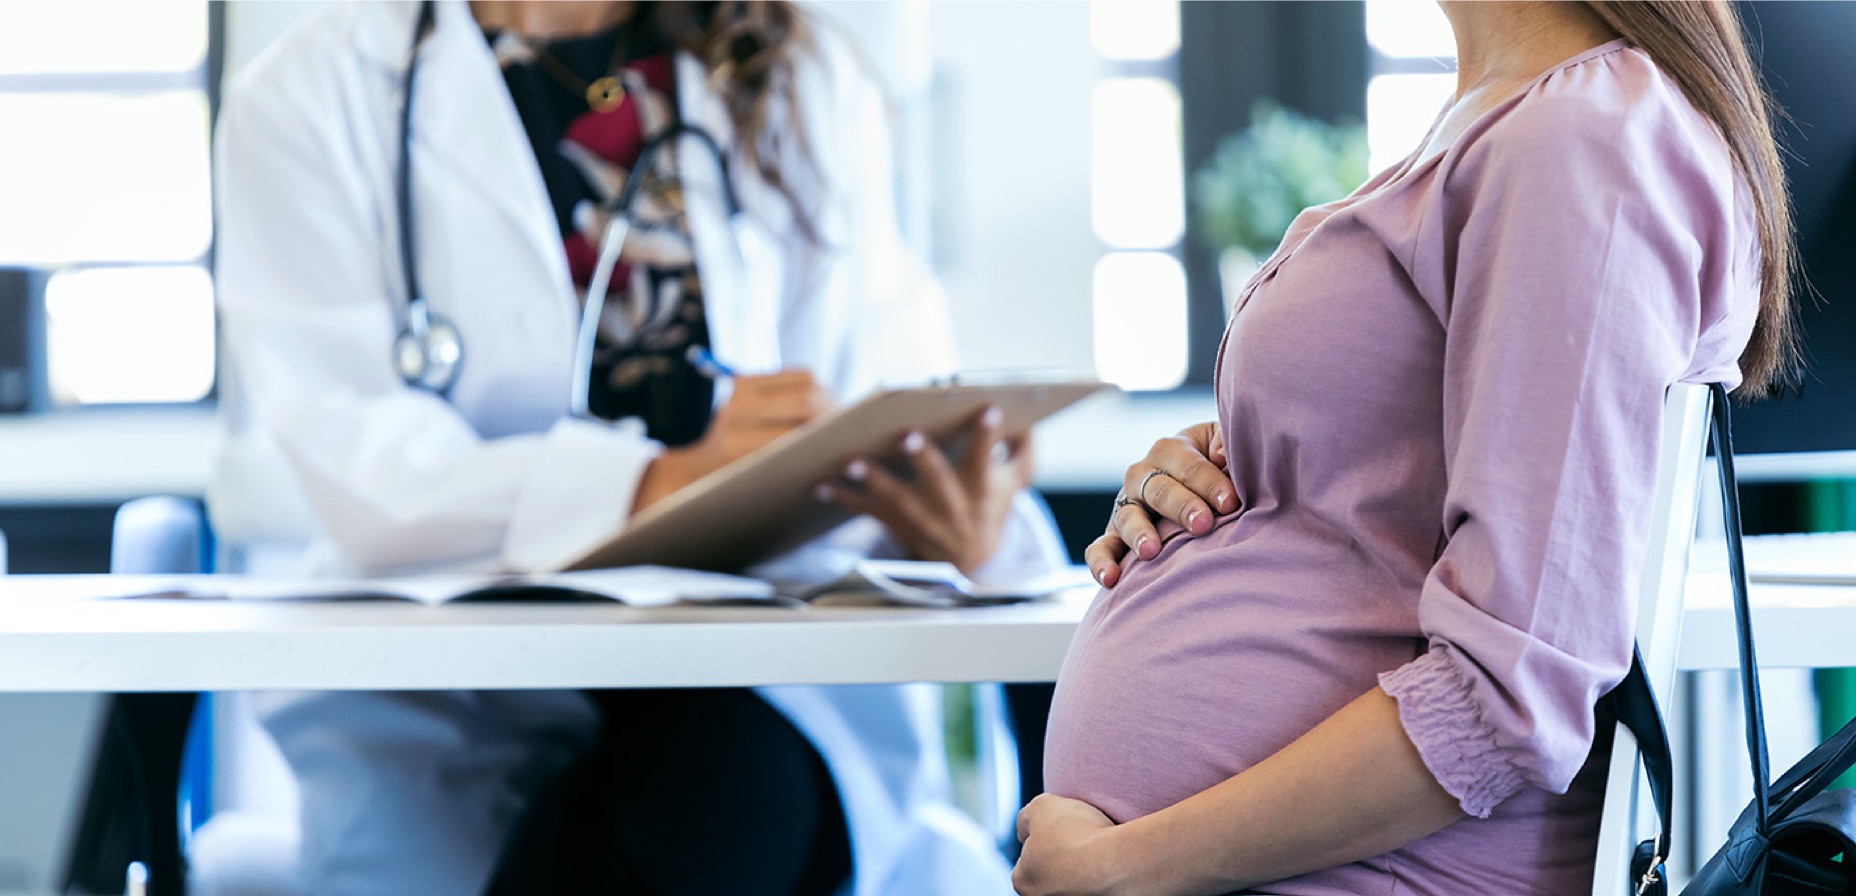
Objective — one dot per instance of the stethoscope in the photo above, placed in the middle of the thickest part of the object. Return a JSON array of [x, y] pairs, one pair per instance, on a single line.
[[429, 351]]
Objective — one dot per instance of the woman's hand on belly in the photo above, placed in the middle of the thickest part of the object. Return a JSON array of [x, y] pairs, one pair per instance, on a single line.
[[1182, 479], [1065, 849]]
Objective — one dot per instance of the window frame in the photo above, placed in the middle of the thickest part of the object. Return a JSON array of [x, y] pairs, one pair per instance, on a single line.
[[1162, 69], [204, 78]]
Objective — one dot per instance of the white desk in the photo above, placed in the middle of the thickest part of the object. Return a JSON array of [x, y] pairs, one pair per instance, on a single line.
[[52, 640], [1796, 626]]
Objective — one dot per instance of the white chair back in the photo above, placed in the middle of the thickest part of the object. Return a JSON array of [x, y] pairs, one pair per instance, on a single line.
[[159, 534], [1629, 815]]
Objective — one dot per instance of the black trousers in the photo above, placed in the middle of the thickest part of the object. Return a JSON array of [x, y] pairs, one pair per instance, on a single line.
[[686, 793]]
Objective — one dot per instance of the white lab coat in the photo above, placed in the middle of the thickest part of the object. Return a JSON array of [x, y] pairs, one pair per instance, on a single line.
[[410, 793]]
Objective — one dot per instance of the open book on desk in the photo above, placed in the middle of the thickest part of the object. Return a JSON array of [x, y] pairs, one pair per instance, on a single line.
[[871, 582], [915, 583], [638, 586]]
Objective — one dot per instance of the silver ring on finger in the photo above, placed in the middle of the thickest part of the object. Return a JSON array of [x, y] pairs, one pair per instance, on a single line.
[[1142, 490], [1122, 500]]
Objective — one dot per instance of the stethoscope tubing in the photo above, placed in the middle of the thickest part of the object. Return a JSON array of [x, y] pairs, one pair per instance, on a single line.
[[618, 227], [612, 245]]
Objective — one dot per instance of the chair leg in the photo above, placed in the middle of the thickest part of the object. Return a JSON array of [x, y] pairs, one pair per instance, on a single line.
[[130, 812]]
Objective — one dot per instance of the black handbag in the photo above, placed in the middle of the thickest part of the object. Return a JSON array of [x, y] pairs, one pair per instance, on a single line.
[[1796, 838]]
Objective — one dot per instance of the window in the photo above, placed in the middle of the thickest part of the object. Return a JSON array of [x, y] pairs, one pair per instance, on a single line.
[[1137, 196], [1413, 75], [105, 183]]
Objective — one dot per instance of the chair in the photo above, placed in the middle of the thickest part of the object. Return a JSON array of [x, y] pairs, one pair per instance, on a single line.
[[1628, 812], [151, 748], [160, 534], [159, 746]]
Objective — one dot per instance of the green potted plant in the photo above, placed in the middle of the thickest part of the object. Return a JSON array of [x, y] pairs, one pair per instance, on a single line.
[[1260, 178]]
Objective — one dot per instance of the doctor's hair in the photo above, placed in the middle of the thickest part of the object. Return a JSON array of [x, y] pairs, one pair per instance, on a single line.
[[1702, 45], [752, 49]]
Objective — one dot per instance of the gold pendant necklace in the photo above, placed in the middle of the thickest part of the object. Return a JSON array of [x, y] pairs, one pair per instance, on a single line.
[[602, 95], [605, 94]]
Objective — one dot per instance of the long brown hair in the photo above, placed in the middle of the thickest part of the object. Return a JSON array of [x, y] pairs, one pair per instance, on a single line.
[[1703, 47], [752, 49]]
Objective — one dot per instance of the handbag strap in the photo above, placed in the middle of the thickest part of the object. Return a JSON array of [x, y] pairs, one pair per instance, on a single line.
[[1743, 611], [1815, 771], [1634, 702]]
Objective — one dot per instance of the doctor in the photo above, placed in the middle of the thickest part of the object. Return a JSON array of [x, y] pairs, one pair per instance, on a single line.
[[779, 254]]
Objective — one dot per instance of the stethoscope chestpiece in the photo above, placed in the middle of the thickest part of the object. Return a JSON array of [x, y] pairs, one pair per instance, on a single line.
[[428, 352]]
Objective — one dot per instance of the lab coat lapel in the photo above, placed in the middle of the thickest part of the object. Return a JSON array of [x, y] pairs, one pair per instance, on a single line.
[[742, 277], [466, 134]]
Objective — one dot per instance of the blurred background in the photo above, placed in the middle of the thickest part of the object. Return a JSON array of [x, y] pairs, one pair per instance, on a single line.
[[1080, 174], [1048, 156]]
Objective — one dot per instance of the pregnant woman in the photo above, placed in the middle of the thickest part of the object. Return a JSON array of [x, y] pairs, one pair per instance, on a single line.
[[1361, 653]]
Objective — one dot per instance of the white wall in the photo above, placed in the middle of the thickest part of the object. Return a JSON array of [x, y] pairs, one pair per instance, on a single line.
[[889, 37], [993, 144], [1011, 154]]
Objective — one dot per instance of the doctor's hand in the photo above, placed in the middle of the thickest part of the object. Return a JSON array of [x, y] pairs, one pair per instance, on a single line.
[[1068, 849], [761, 409], [1182, 479], [939, 509]]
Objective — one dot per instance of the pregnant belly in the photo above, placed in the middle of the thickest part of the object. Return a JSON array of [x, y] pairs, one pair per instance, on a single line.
[[1210, 658]]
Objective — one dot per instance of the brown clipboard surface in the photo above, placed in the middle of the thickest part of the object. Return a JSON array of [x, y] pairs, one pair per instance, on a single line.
[[762, 504]]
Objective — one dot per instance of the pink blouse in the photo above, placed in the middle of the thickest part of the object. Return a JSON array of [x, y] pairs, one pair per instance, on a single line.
[[1441, 401]]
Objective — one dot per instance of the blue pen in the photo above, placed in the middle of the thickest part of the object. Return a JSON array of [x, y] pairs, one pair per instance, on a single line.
[[706, 363]]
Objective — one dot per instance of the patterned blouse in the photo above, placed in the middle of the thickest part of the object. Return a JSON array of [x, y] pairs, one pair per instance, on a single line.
[[653, 318]]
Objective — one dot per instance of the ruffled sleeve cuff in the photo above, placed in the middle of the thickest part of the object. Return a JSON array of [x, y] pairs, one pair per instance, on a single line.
[[1443, 721]]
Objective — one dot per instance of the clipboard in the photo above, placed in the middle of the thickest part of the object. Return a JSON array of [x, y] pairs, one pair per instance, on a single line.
[[762, 505]]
